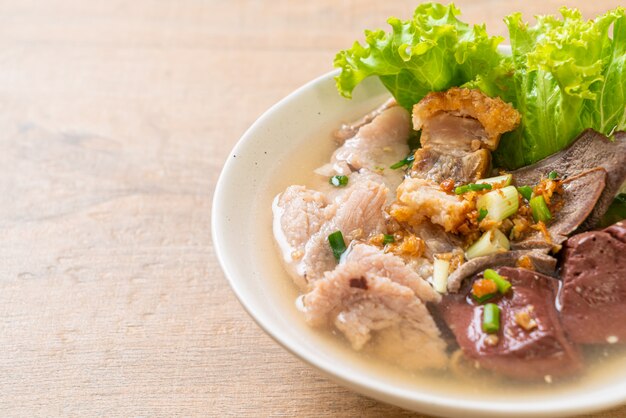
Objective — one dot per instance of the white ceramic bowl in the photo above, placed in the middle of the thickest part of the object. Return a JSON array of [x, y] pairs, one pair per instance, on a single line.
[[296, 133]]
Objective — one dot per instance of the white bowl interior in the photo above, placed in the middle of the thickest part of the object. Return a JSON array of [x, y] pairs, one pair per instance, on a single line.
[[282, 148]]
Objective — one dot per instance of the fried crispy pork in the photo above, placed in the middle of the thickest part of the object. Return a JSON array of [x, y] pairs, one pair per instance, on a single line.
[[459, 129]]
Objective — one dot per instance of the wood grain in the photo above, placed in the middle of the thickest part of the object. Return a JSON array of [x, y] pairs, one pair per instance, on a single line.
[[115, 120]]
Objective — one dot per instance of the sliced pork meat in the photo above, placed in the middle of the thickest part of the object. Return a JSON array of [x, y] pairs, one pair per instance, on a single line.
[[589, 151], [530, 344], [357, 214], [348, 130], [437, 166], [459, 129], [593, 298], [298, 214], [304, 218], [420, 198], [302, 215], [359, 302], [578, 199], [533, 259], [372, 259], [376, 145]]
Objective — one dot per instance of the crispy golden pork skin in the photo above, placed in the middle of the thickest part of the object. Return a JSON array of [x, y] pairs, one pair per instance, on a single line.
[[495, 116], [459, 129]]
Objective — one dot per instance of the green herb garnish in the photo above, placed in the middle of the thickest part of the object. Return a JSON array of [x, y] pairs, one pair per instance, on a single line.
[[483, 299], [481, 214], [406, 161], [338, 181], [337, 244], [388, 239], [491, 318], [472, 187], [526, 192], [503, 284]]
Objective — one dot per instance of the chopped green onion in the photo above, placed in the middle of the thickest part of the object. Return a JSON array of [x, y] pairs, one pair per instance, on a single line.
[[503, 180], [552, 175], [526, 192], [491, 242], [441, 270], [337, 244], [484, 298], [408, 160], [338, 181], [500, 203], [388, 239], [491, 318], [472, 187], [541, 212], [482, 212], [503, 284]]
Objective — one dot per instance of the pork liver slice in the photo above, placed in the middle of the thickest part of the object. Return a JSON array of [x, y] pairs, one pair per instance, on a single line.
[[519, 353], [593, 297], [590, 150]]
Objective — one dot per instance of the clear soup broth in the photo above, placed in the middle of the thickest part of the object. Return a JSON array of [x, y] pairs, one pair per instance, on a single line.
[[603, 364]]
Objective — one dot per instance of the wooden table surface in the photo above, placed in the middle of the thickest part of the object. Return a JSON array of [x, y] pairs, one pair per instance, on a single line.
[[115, 120]]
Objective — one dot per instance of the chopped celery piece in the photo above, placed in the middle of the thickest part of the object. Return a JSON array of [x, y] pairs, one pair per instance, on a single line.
[[441, 270], [541, 212], [501, 181], [492, 241], [499, 204]]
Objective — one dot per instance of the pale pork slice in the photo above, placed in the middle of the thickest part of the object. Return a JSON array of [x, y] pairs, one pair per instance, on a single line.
[[304, 218], [359, 302], [376, 145], [301, 214], [298, 213], [379, 263], [358, 213], [348, 130]]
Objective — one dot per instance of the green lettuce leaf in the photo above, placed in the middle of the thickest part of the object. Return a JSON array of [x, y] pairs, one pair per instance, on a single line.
[[569, 75], [433, 51], [565, 74]]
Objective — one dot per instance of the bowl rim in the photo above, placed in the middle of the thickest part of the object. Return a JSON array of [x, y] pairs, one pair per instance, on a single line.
[[410, 399]]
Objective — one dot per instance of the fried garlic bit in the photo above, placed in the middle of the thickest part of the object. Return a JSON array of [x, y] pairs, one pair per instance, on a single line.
[[525, 320]]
